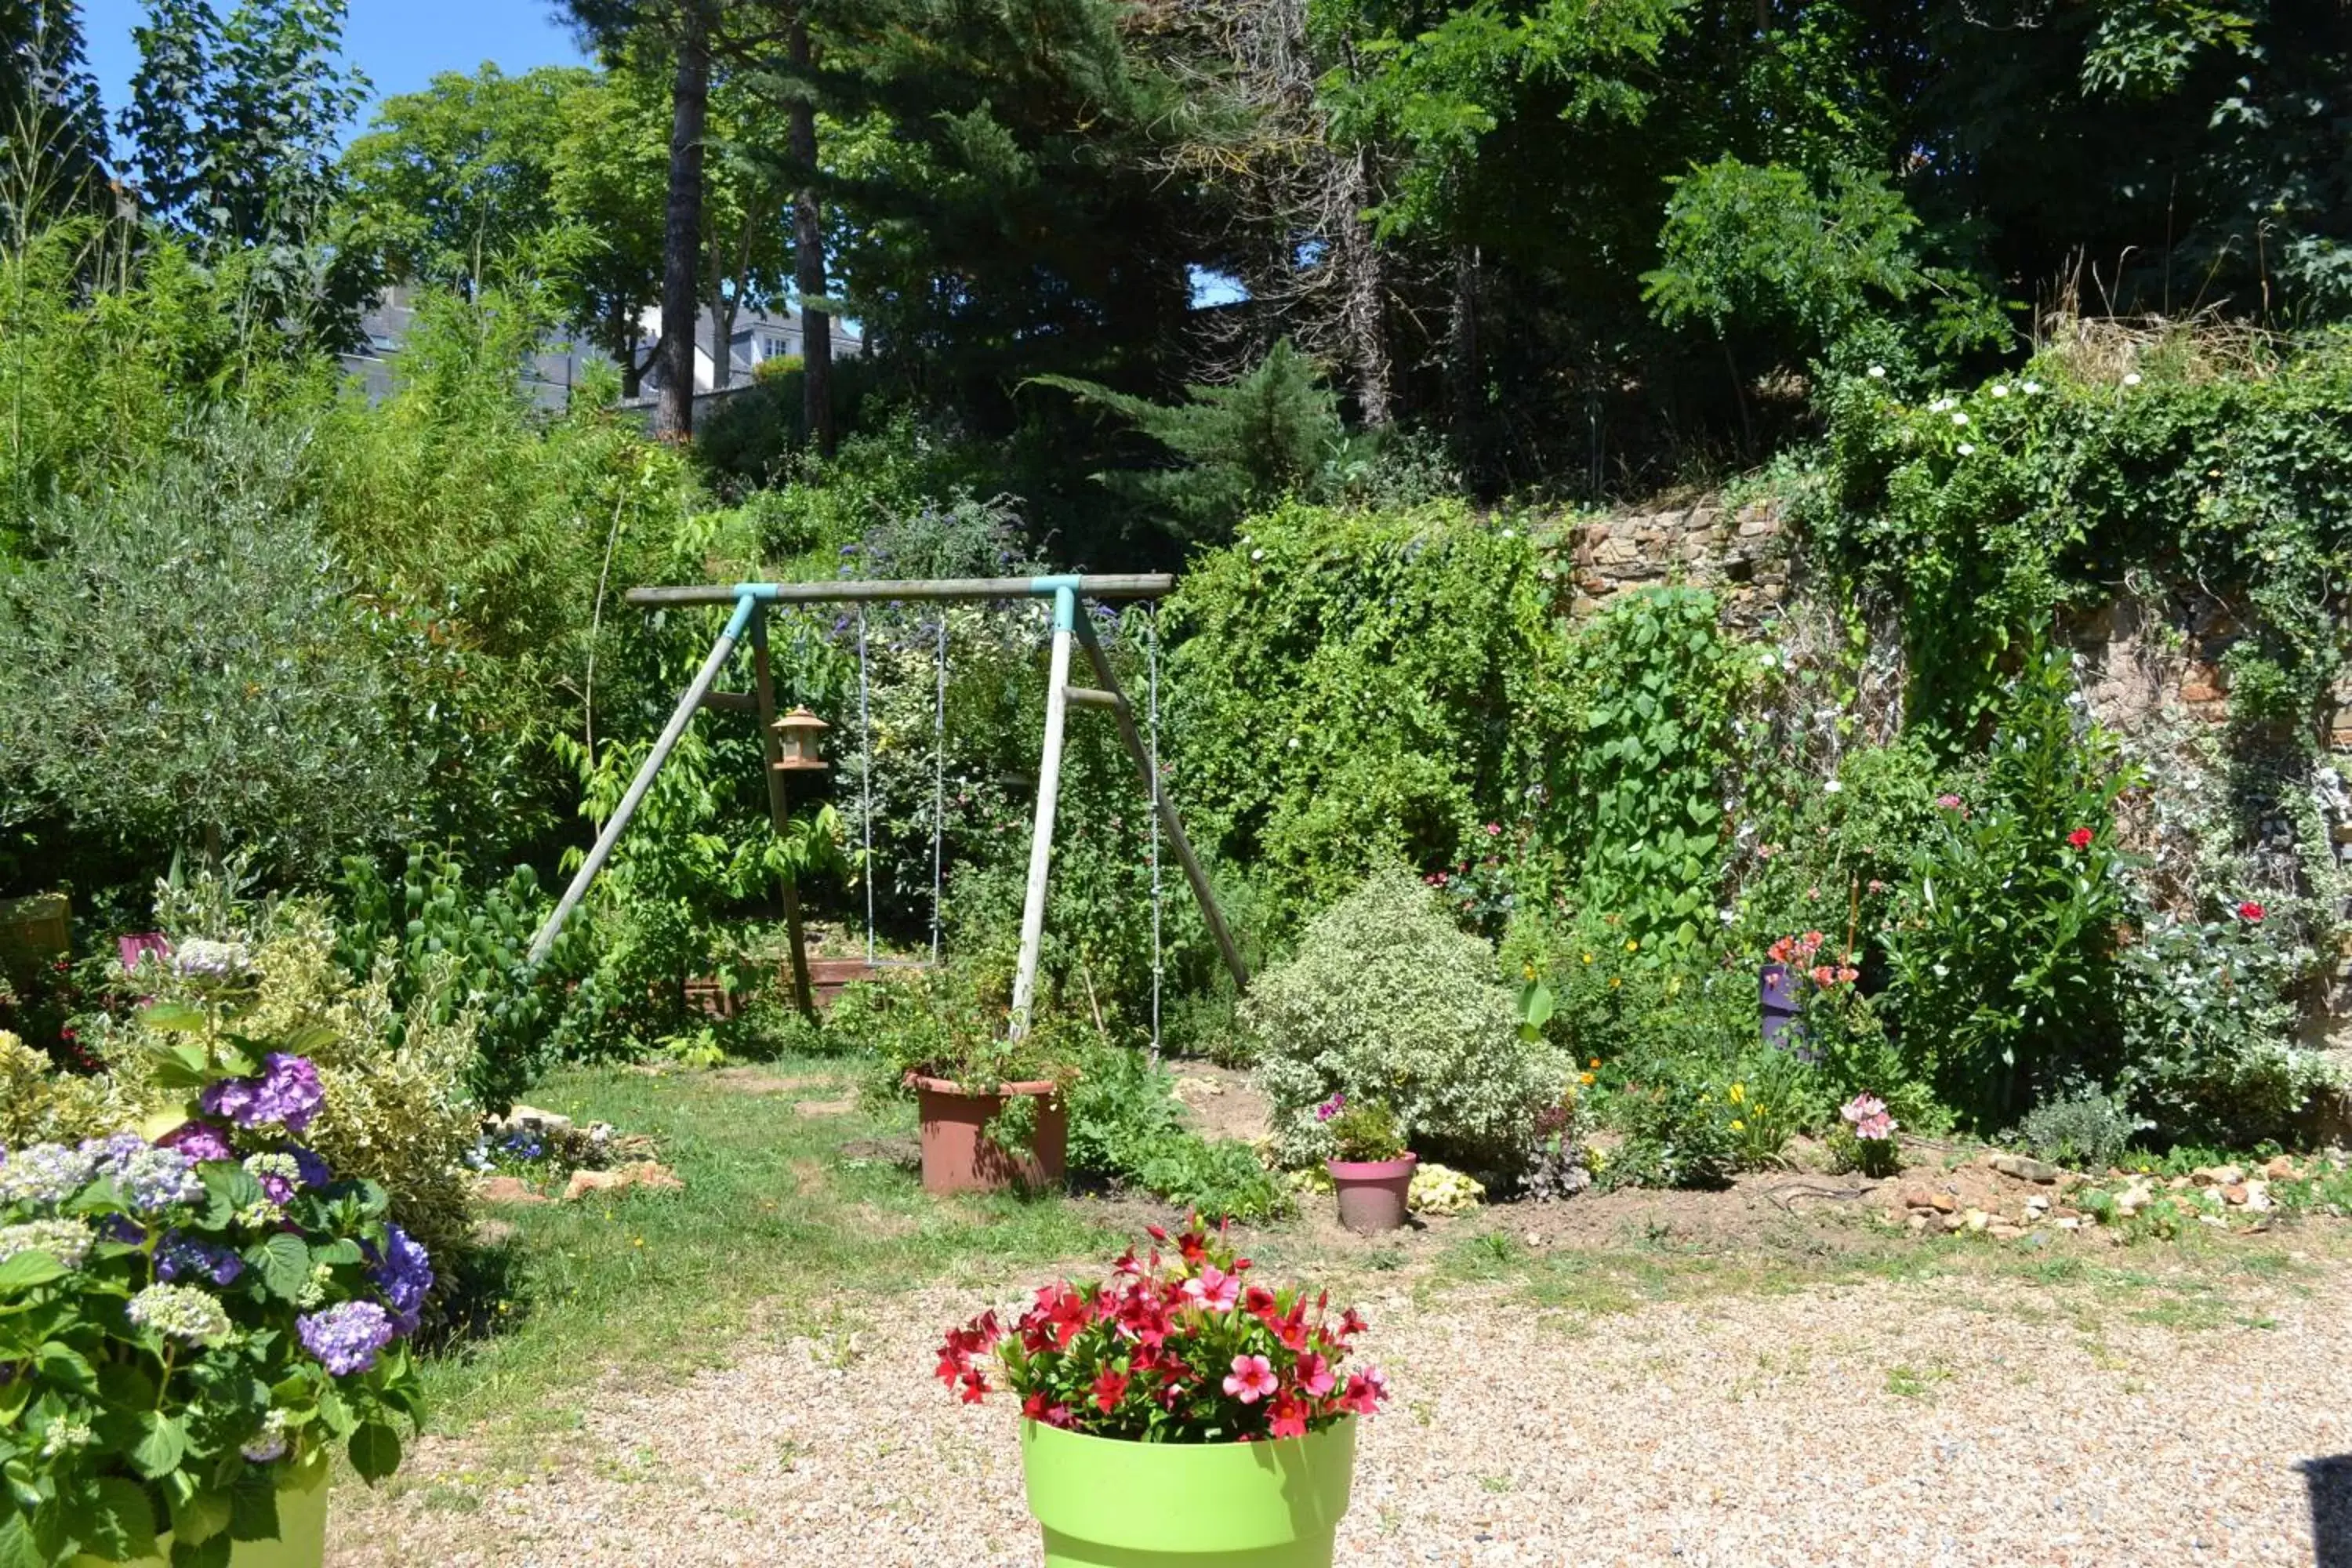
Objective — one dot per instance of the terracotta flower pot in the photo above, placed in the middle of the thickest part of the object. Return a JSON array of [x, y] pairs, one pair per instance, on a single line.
[[959, 1157], [1372, 1193]]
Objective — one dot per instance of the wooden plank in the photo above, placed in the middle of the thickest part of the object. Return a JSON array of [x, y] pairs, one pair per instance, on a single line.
[[1117, 585], [1090, 697], [1107, 679], [732, 701], [666, 743], [1041, 831]]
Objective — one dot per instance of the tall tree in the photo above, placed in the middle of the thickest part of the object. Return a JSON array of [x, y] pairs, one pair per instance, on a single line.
[[52, 131], [233, 126], [455, 177]]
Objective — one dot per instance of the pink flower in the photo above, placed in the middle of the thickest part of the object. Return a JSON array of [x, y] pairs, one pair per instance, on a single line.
[[1494, 830], [1365, 1392], [1315, 1374], [2080, 839], [1867, 1113], [2251, 912], [1290, 1415], [1948, 801], [1251, 1380], [1213, 1289]]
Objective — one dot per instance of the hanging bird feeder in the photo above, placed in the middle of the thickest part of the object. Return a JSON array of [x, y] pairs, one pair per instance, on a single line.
[[798, 748]]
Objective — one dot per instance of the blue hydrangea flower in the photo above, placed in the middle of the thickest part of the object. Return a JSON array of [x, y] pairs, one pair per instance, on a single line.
[[154, 1180], [346, 1337], [185, 1257], [287, 1094], [403, 1271]]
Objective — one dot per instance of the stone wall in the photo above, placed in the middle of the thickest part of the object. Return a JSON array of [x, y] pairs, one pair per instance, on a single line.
[[1738, 550]]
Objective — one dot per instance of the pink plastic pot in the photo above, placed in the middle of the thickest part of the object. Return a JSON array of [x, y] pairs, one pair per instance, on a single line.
[[1373, 1193], [959, 1157]]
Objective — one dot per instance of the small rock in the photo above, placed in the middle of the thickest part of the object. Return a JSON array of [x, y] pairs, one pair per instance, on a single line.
[[2068, 1222], [2258, 1197], [2036, 1203], [1918, 1222], [2000, 1230], [2280, 1169], [532, 1118], [2216, 1175], [648, 1175], [1953, 1222], [2026, 1169], [2235, 1193], [2178, 1182], [508, 1190], [1976, 1220]]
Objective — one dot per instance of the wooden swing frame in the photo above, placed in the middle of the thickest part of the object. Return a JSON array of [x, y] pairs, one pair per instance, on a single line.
[[1071, 629]]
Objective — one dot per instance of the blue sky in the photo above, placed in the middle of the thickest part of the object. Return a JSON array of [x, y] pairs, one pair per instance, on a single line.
[[400, 43]]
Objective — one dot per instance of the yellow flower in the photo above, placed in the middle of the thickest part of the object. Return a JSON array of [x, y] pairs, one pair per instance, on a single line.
[[1739, 1092], [1633, 946], [1527, 970], [1588, 958], [1615, 980], [1593, 1063], [1738, 1125], [1584, 1078]]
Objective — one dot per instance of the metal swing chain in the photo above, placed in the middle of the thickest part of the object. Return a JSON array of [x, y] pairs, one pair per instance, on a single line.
[[938, 787], [865, 783], [1151, 664]]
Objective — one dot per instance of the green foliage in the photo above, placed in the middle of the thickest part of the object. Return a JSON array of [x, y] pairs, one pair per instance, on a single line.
[[1639, 792], [2003, 944], [2084, 1129], [1367, 1132], [1346, 688], [1243, 447], [1762, 247], [1385, 1000], [456, 952], [2209, 1035], [1125, 1123], [1677, 1133], [193, 617], [1983, 513], [951, 1024]]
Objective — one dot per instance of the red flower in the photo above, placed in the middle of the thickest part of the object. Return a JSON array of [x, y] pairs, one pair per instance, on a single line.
[[1365, 1392], [1111, 1387], [1290, 1414], [975, 1386], [2080, 839], [2251, 912], [1038, 1406], [1315, 1374], [1193, 1246]]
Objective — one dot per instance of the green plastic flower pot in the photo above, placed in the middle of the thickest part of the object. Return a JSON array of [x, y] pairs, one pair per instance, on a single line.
[[1104, 1503], [301, 1528]]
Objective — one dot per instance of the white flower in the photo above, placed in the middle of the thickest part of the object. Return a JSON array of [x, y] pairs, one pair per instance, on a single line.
[[1967, 450], [1257, 554], [1510, 533], [2131, 378], [1878, 372], [1294, 742], [2032, 387], [1959, 418], [1769, 662], [1939, 406], [1833, 787], [2000, 391]]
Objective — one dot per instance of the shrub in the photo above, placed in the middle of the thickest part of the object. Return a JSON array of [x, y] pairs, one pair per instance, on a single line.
[[1126, 1125], [2004, 940], [2085, 1129], [1386, 1000], [1677, 1133]]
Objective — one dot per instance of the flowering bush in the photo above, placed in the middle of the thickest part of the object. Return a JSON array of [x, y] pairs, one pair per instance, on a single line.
[[1386, 999], [1177, 1349], [1864, 1141], [183, 1322]]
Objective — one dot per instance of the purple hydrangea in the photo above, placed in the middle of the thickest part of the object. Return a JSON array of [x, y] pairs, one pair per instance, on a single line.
[[288, 1093], [186, 1256], [347, 1336], [199, 1141], [403, 1271], [109, 1154]]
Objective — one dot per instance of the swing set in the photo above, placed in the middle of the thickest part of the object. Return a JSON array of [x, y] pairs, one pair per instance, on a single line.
[[787, 745]]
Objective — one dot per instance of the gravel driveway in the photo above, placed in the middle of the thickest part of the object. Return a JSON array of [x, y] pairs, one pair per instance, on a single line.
[[1980, 1418]]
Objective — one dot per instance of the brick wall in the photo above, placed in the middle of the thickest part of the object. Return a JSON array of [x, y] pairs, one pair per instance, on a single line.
[[1738, 552]]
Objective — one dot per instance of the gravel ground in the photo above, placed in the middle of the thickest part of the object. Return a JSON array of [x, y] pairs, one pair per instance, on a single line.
[[1970, 1420]]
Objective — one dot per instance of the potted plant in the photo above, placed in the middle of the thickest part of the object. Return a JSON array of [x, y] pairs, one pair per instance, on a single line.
[[1369, 1164], [1177, 1412], [990, 1107], [190, 1317]]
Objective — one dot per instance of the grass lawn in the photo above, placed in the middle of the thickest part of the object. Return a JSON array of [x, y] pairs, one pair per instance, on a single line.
[[785, 1216]]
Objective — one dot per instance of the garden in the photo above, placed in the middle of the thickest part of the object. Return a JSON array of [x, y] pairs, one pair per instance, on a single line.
[[1695, 908]]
